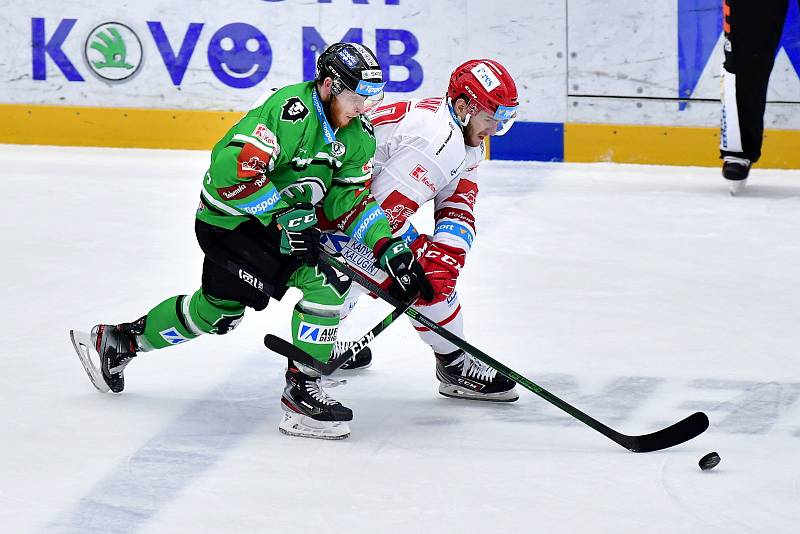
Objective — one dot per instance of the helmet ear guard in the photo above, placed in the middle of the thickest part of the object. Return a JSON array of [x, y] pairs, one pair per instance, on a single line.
[[337, 86], [472, 108]]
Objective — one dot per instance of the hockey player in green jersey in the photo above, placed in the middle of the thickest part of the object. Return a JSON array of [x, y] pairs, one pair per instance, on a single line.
[[299, 160]]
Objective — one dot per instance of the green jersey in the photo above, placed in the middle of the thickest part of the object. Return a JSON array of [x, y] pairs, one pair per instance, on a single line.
[[284, 140]]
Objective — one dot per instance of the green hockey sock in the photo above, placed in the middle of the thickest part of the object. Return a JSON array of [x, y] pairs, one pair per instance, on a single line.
[[314, 334], [181, 318]]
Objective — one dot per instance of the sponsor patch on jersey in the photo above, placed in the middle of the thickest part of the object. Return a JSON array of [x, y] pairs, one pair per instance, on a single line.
[[243, 189], [418, 172], [335, 242], [294, 110], [360, 255], [485, 76], [262, 204], [265, 135], [366, 221], [253, 162], [172, 336], [344, 221], [410, 235], [446, 139], [456, 229], [457, 214], [398, 209], [316, 334]]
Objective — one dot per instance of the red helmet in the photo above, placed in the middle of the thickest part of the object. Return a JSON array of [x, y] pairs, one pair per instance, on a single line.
[[487, 86]]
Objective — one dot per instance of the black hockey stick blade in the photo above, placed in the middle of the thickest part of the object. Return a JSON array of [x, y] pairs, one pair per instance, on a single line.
[[680, 432], [286, 349]]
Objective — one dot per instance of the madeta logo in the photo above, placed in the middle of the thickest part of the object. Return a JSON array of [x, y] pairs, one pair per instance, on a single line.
[[699, 29]]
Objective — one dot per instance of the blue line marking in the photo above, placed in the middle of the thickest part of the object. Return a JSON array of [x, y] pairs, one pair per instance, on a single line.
[[146, 482]]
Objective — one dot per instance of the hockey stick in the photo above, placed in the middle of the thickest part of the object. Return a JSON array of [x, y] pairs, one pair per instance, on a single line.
[[284, 348], [680, 432]]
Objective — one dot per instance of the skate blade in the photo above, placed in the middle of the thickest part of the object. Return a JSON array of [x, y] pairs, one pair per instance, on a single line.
[[737, 186], [82, 342], [457, 392], [294, 424], [346, 371]]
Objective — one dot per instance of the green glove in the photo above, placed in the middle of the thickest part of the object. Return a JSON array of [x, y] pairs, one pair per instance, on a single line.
[[299, 236], [407, 276], [309, 190]]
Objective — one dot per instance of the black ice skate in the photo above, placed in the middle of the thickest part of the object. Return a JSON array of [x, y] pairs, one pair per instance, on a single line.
[[465, 377], [735, 170], [360, 360], [309, 412], [112, 347]]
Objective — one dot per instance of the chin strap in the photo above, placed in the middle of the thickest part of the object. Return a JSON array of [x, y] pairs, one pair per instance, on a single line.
[[456, 118]]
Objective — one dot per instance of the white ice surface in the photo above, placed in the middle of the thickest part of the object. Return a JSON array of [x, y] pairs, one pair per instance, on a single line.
[[639, 294]]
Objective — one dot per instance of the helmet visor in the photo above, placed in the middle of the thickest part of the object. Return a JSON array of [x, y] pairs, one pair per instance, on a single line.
[[373, 91], [505, 117], [367, 94]]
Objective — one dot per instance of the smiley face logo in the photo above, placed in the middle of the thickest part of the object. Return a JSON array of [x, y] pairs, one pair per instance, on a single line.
[[239, 55]]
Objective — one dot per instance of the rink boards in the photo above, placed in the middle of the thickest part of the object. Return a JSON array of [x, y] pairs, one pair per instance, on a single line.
[[631, 82]]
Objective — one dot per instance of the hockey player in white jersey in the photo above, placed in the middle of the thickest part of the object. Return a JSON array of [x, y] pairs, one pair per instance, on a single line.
[[430, 149]]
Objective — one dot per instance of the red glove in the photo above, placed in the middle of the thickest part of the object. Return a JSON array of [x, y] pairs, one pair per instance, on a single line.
[[442, 264]]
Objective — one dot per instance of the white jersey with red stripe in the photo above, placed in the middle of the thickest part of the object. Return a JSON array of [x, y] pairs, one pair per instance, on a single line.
[[421, 156]]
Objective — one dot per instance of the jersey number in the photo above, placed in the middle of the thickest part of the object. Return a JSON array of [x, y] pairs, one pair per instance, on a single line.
[[395, 112], [390, 113]]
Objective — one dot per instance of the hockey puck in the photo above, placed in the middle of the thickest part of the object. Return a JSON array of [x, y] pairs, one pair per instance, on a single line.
[[709, 461]]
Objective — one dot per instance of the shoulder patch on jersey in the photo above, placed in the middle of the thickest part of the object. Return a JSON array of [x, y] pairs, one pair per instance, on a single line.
[[337, 149], [294, 110], [265, 134]]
